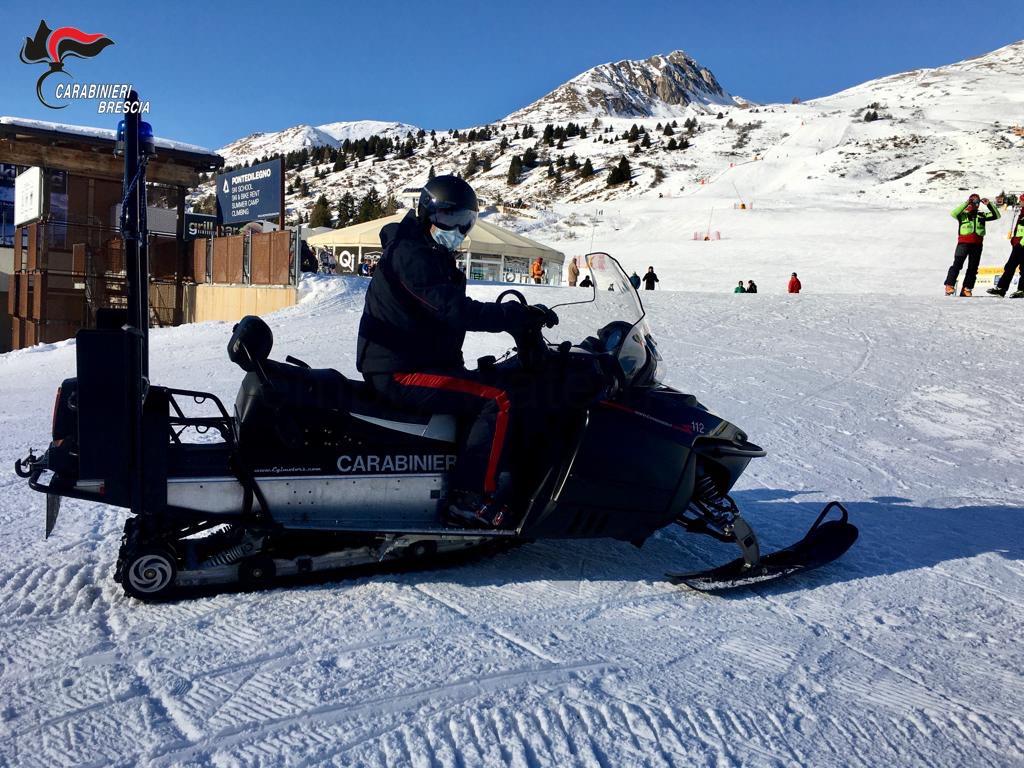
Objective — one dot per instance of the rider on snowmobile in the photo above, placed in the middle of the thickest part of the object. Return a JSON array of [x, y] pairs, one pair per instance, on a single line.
[[414, 322]]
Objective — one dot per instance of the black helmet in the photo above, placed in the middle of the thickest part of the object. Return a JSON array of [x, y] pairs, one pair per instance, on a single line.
[[448, 203]]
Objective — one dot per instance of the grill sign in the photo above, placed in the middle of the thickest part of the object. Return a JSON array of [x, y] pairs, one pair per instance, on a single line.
[[374, 465], [250, 193], [200, 225]]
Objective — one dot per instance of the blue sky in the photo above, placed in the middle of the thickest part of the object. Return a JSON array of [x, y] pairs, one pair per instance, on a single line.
[[217, 71]]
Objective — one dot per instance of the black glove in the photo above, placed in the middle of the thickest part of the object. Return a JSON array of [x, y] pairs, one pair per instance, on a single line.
[[538, 314]]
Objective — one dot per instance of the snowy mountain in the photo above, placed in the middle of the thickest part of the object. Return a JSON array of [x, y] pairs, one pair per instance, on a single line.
[[354, 130], [674, 85], [938, 133], [300, 137]]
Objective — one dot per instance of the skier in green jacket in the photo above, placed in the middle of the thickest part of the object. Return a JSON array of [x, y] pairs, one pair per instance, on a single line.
[[970, 241], [739, 288], [1015, 262]]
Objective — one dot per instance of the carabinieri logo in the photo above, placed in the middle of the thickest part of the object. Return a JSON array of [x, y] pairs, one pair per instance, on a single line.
[[54, 46]]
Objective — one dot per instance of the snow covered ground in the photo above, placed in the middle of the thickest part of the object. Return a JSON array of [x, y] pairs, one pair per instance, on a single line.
[[852, 247], [908, 651]]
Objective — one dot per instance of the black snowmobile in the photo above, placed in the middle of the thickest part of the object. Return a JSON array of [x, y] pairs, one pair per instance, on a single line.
[[311, 472]]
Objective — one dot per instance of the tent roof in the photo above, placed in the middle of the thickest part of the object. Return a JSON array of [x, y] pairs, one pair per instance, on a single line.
[[484, 238]]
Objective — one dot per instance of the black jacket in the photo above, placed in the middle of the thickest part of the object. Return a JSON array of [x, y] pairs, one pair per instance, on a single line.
[[417, 313]]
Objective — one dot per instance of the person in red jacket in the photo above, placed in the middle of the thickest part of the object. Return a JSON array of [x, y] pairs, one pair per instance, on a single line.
[[794, 284]]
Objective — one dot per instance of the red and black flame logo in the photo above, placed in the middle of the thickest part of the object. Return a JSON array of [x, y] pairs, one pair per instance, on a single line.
[[54, 46]]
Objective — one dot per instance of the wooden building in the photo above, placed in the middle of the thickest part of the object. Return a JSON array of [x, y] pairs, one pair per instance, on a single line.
[[56, 272]]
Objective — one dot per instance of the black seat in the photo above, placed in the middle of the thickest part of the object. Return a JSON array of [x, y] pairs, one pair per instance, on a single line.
[[316, 389], [290, 409]]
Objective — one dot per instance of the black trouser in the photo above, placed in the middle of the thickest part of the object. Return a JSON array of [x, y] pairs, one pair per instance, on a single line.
[[510, 410], [1015, 262], [972, 253], [493, 406]]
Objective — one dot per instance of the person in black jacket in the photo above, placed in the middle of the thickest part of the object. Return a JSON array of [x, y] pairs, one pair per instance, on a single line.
[[650, 278], [414, 322]]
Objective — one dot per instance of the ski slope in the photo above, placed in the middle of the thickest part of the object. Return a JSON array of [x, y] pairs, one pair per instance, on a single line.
[[837, 247], [908, 651]]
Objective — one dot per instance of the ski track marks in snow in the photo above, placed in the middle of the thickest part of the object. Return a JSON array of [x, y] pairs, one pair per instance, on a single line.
[[905, 652]]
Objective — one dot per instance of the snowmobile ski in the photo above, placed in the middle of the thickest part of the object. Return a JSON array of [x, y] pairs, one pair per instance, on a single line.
[[823, 543]]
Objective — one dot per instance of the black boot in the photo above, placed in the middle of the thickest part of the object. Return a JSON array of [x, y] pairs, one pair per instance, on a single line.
[[474, 510]]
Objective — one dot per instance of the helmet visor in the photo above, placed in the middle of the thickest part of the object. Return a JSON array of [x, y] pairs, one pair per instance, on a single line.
[[456, 218]]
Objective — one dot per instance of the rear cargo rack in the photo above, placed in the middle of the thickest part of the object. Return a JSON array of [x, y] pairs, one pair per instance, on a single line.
[[178, 423]]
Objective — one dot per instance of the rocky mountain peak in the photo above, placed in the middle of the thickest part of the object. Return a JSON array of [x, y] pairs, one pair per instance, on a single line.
[[664, 85]]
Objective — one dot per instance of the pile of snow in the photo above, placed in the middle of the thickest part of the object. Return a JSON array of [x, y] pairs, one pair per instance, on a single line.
[[906, 651]]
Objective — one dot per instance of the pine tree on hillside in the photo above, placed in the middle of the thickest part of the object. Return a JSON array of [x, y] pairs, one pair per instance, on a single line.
[[515, 169], [672, 145], [668, 131], [634, 133], [471, 165], [645, 142], [370, 206], [346, 209], [620, 173], [587, 170], [321, 215], [431, 174], [340, 164]]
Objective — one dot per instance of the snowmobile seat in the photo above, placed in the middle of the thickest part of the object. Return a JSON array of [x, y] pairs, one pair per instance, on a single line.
[[326, 397], [318, 398]]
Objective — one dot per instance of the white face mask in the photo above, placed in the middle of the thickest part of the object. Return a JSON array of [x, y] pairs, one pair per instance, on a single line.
[[447, 238]]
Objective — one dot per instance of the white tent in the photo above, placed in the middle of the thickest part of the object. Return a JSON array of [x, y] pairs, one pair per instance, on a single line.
[[488, 252]]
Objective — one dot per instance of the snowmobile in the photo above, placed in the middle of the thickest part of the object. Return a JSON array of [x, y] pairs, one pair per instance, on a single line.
[[312, 472]]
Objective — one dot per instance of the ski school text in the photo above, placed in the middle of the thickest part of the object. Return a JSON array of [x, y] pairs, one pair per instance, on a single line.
[[112, 97], [437, 462]]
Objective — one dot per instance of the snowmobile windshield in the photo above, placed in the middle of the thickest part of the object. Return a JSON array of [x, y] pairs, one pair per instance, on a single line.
[[607, 317]]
